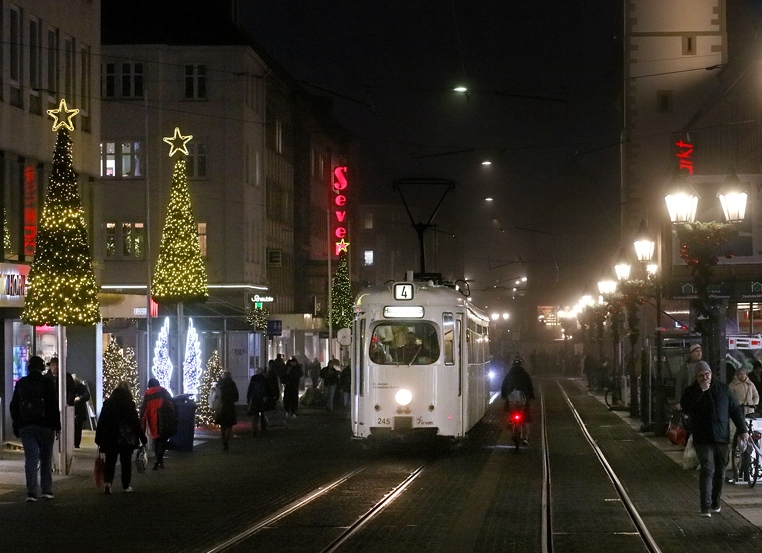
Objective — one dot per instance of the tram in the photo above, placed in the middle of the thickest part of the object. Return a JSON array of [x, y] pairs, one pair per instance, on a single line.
[[420, 355]]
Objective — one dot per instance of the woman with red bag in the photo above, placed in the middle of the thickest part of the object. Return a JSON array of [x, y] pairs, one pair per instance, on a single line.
[[118, 434]]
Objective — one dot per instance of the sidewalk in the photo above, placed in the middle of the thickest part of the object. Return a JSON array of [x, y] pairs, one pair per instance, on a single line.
[[744, 500]]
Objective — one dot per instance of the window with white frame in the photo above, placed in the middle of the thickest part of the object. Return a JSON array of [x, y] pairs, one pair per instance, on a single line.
[[196, 163], [52, 65], [84, 81], [35, 55], [202, 238], [367, 256], [132, 80], [122, 159], [125, 240], [195, 82], [15, 50], [69, 68], [133, 240]]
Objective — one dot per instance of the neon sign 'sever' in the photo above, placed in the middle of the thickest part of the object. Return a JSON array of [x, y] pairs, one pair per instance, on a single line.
[[684, 155], [339, 209]]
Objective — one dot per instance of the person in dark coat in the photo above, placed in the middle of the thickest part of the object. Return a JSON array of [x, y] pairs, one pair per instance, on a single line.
[[37, 421], [226, 418], [292, 375], [256, 395], [273, 387], [118, 434], [710, 406], [81, 397], [345, 382]]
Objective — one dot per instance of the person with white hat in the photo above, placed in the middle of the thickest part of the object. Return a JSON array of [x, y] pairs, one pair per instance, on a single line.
[[684, 377]]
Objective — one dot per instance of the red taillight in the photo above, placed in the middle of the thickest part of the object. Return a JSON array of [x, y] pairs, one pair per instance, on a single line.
[[517, 417]]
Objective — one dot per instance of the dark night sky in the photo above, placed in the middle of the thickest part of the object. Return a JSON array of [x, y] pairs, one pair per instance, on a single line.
[[405, 56]]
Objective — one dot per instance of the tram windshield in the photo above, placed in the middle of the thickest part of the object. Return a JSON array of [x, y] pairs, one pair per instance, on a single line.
[[404, 344]]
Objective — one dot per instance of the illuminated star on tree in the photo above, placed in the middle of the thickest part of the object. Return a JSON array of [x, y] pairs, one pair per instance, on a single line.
[[173, 142], [341, 246], [63, 116]]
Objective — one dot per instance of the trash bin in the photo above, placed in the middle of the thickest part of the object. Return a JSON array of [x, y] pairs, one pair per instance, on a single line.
[[186, 424]]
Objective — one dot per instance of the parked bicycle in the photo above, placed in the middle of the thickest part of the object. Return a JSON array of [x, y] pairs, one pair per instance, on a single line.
[[613, 393], [746, 455]]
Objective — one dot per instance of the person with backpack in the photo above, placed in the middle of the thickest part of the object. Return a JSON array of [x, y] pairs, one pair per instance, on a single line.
[[157, 399], [331, 376], [256, 396], [292, 376], [226, 417], [37, 421]]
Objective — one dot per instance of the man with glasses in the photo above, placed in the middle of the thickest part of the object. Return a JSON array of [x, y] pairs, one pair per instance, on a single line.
[[710, 406]]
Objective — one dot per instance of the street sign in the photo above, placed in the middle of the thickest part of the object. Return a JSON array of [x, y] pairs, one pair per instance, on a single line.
[[274, 328]]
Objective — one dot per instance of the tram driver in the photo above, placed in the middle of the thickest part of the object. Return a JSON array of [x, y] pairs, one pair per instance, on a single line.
[[413, 351]]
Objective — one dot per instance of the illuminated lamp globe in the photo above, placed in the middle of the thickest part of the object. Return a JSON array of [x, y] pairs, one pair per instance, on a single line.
[[622, 267], [682, 201], [733, 199], [607, 287], [644, 246]]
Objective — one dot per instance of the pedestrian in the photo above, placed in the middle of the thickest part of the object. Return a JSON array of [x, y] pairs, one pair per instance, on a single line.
[[685, 376], [36, 419], [756, 376], [118, 434], [256, 395], [53, 373], [227, 416], [292, 375], [744, 391], [314, 372], [273, 387], [81, 397], [330, 375], [155, 398], [711, 406], [345, 382]]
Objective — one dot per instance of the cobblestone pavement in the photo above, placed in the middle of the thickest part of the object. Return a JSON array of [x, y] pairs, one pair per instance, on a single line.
[[478, 497]]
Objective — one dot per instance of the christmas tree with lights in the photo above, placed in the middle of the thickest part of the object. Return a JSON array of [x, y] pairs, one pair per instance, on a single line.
[[212, 374], [61, 287], [192, 363], [341, 310], [119, 365], [180, 275], [7, 246], [257, 318], [162, 366]]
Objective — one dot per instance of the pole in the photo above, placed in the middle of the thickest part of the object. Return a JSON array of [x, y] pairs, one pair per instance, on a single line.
[[329, 307], [659, 414], [147, 246]]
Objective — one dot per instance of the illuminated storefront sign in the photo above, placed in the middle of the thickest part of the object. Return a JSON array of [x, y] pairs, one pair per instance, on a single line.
[[340, 221], [13, 280], [685, 155]]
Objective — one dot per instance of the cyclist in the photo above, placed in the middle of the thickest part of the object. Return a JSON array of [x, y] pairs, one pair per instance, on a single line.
[[517, 379]]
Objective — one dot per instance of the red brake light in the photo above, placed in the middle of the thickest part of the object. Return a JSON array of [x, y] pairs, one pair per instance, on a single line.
[[517, 417]]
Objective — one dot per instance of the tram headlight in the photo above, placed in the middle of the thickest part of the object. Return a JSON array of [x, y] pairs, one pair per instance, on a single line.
[[403, 396]]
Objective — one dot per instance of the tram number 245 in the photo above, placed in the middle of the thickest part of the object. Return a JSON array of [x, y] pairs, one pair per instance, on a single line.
[[384, 421]]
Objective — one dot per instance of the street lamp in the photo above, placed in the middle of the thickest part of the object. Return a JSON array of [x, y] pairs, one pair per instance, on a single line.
[[622, 267]]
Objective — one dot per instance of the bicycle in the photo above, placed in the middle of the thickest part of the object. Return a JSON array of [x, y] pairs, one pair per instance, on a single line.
[[517, 418], [746, 456], [613, 393]]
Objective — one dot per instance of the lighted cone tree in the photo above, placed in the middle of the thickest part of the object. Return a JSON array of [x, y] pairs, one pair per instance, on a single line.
[[192, 364], [212, 374], [7, 237], [180, 275], [61, 286], [257, 318], [341, 311], [162, 366], [119, 365]]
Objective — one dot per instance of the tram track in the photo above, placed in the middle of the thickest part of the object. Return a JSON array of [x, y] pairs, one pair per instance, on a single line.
[[640, 528], [332, 495]]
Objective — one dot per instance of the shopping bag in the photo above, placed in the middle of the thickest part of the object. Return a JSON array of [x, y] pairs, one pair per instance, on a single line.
[[99, 470], [141, 460], [677, 433], [690, 457]]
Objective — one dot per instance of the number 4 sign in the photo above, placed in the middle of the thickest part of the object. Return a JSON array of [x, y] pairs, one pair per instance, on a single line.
[[403, 291]]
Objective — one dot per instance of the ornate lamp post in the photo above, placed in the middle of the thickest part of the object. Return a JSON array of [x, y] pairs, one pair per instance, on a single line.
[[698, 244]]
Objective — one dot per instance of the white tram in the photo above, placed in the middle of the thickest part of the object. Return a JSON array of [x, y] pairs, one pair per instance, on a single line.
[[420, 356]]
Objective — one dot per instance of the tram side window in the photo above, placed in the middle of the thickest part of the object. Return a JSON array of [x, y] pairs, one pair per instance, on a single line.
[[448, 331], [404, 344]]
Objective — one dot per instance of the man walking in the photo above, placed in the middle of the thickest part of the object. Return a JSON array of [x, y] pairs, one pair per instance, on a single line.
[[37, 421], [710, 406]]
